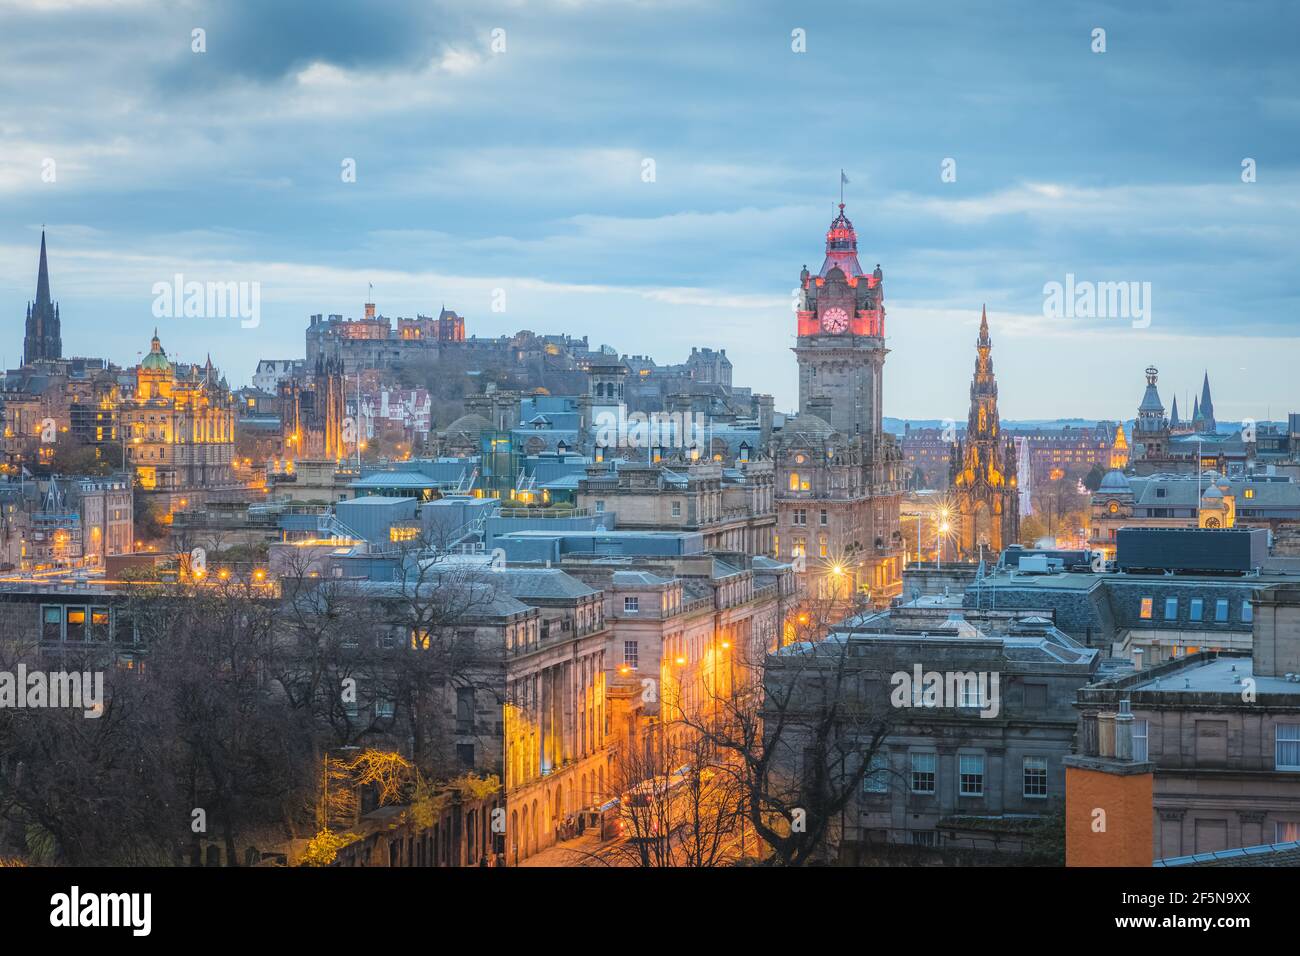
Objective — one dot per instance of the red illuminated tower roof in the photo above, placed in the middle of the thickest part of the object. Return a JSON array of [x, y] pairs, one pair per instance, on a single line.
[[841, 247]]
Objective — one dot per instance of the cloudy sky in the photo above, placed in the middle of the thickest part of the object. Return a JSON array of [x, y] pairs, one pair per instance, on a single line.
[[523, 169]]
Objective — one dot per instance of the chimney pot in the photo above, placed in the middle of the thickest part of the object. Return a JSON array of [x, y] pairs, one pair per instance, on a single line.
[[1106, 734]]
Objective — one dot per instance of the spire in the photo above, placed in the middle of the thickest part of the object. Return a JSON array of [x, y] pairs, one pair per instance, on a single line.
[[41, 338], [1173, 416], [984, 340], [1151, 413], [43, 277], [1207, 406]]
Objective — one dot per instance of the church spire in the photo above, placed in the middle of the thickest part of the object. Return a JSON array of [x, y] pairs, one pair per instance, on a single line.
[[41, 338], [1207, 405], [43, 278]]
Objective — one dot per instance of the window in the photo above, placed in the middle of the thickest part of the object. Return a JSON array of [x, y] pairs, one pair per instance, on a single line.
[[972, 693], [971, 775], [631, 605], [419, 639], [1197, 609], [677, 509], [1145, 613], [924, 838], [1250, 492], [1221, 610], [1171, 609], [52, 624], [384, 709], [877, 777], [600, 507], [794, 481], [631, 654], [824, 517], [76, 623], [1035, 776], [464, 710], [800, 516], [1287, 744], [1247, 612], [923, 772], [1286, 831], [1140, 732]]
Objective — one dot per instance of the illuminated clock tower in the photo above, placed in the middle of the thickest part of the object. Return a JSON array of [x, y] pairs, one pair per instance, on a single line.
[[838, 487], [841, 346]]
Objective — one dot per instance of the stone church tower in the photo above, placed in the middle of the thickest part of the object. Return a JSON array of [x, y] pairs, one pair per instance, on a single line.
[[838, 475], [983, 467], [312, 414], [42, 339]]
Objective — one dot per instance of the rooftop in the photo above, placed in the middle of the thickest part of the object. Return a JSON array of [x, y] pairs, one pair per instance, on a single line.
[[1223, 675]]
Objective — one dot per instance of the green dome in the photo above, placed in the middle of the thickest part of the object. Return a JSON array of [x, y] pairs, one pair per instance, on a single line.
[[156, 360]]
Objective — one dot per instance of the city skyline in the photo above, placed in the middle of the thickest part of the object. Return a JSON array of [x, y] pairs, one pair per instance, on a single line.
[[234, 174]]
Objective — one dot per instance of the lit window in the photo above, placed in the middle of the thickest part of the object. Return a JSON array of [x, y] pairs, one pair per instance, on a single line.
[[419, 639], [1145, 613]]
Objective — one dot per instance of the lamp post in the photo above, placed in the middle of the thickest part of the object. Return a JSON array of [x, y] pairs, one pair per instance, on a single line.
[[941, 528]]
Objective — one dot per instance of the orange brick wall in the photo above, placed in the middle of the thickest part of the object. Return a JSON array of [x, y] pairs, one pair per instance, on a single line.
[[1126, 803]]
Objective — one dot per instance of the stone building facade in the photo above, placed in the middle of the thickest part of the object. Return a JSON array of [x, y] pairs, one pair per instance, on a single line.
[[1223, 731], [833, 460]]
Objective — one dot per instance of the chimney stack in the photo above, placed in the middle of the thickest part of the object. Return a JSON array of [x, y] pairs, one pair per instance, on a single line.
[[1108, 795]]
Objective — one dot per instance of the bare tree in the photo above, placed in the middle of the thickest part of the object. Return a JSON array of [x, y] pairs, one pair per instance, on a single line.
[[799, 726]]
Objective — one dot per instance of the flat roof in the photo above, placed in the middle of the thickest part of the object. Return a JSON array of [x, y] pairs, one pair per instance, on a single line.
[[1219, 676]]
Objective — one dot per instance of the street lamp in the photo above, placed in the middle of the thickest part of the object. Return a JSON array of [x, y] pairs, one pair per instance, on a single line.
[[940, 532]]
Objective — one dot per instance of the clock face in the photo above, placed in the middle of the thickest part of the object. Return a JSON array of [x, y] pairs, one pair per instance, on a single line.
[[835, 320]]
